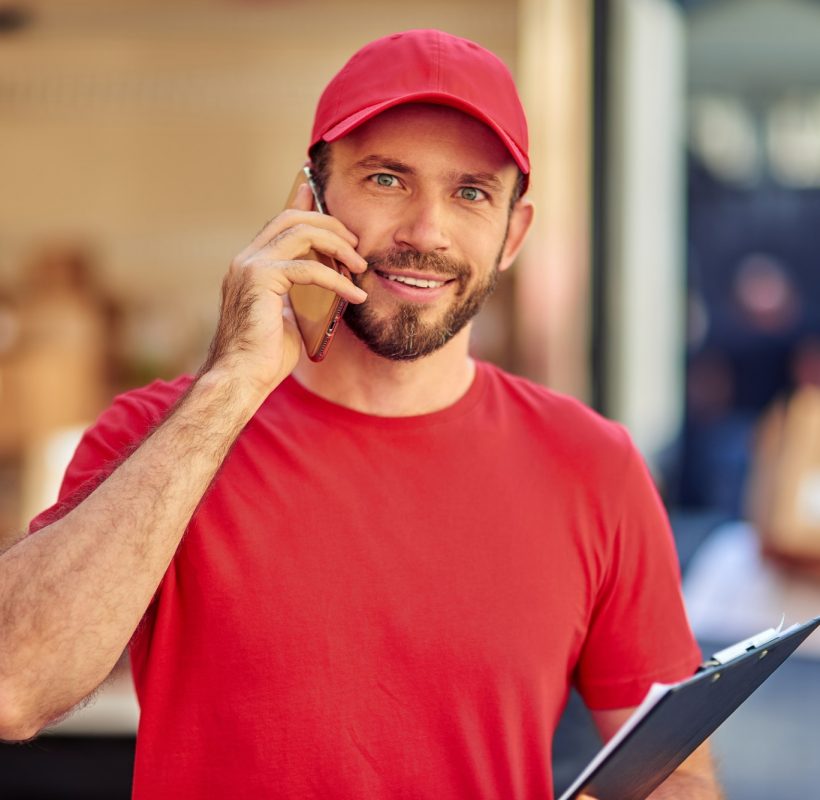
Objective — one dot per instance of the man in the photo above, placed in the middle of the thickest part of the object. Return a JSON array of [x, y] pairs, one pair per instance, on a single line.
[[396, 561]]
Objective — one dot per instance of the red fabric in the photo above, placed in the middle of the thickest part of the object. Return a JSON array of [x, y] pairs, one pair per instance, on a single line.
[[395, 608], [424, 66]]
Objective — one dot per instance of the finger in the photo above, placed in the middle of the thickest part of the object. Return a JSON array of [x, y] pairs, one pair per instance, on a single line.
[[305, 240], [305, 272], [291, 218]]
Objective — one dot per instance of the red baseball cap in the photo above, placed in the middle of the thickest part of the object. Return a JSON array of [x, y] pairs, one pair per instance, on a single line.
[[424, 66]]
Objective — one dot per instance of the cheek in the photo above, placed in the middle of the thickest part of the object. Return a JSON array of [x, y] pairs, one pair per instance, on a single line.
[[481, 244], [369, 224], [375, 233]]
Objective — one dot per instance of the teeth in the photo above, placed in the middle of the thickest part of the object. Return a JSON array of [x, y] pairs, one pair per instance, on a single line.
[[422, 284]]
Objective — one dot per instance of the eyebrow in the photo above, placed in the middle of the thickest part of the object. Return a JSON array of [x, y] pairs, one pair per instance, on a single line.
[[484, 180], [383, 162]]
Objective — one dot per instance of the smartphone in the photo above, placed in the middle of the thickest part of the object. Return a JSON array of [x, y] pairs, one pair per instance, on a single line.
[[317, 310]]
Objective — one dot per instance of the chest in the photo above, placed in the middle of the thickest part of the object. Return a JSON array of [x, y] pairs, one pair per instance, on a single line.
[[317, 555]]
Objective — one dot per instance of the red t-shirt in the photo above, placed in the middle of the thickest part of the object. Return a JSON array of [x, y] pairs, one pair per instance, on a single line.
[[370, 607]]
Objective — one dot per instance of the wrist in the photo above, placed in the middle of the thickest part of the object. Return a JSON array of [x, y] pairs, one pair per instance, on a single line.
[[233, 390]]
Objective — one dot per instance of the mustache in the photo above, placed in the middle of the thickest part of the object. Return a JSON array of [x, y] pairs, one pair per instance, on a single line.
[[435, 263]]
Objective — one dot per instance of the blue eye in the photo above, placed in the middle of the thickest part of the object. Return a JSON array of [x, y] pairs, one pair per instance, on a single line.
[[470, 193], [383, 179]]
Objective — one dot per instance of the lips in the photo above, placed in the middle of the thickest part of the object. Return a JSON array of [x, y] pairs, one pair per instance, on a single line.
[[417, 277]]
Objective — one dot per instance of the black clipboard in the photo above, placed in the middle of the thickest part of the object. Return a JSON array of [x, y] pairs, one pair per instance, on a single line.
[[676, 718]]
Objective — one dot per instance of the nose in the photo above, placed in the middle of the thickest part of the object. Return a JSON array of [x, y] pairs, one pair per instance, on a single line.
[[423, 225]]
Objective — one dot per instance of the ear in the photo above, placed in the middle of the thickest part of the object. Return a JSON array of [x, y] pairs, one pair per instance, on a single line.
[[520, 221]]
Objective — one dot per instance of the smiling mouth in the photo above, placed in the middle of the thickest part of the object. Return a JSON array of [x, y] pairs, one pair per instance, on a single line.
[[420, 283]]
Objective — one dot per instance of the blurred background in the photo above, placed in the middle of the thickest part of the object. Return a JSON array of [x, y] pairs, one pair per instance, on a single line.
[[672, 280]]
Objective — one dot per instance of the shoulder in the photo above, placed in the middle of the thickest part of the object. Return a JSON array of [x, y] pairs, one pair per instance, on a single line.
[[117, 431], [138, 409], [131, 416], [568, 424], [155, 397]]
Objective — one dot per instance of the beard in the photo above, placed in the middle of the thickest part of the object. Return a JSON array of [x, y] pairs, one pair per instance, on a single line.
[[404, 335]]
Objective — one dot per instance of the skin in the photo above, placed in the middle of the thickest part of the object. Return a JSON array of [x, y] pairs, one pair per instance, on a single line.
[[423, 179]]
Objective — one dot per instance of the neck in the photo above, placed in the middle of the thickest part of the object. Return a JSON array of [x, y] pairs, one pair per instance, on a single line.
[[354, 377]]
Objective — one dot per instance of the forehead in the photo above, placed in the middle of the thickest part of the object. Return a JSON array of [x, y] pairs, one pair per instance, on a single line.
[[429, 132]]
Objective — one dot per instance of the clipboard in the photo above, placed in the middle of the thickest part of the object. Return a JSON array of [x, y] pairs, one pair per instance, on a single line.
[[674, 719]]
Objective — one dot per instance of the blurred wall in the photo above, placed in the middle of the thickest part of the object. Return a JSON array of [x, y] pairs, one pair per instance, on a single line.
[[552, 280]]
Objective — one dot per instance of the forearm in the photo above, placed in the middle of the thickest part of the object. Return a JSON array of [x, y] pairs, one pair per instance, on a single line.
[[695, 779], [680, 786], [72, 594]]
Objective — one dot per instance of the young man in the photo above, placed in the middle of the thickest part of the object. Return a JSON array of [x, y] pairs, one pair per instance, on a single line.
[[395, 562]]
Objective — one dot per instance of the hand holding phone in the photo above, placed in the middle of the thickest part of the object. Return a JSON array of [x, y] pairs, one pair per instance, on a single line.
[[317, 310], [257, 341]]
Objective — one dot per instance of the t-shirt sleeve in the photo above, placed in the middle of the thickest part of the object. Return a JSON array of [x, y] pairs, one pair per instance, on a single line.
[[113, 437], [638, 632]]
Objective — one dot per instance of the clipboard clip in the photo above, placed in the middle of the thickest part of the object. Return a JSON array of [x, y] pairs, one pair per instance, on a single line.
[[733, 651]]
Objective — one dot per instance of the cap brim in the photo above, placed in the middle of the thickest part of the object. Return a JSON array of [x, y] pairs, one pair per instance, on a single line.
[[438, 98]]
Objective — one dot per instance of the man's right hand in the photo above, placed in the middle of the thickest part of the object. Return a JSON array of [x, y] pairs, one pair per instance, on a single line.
[[257, 339]]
